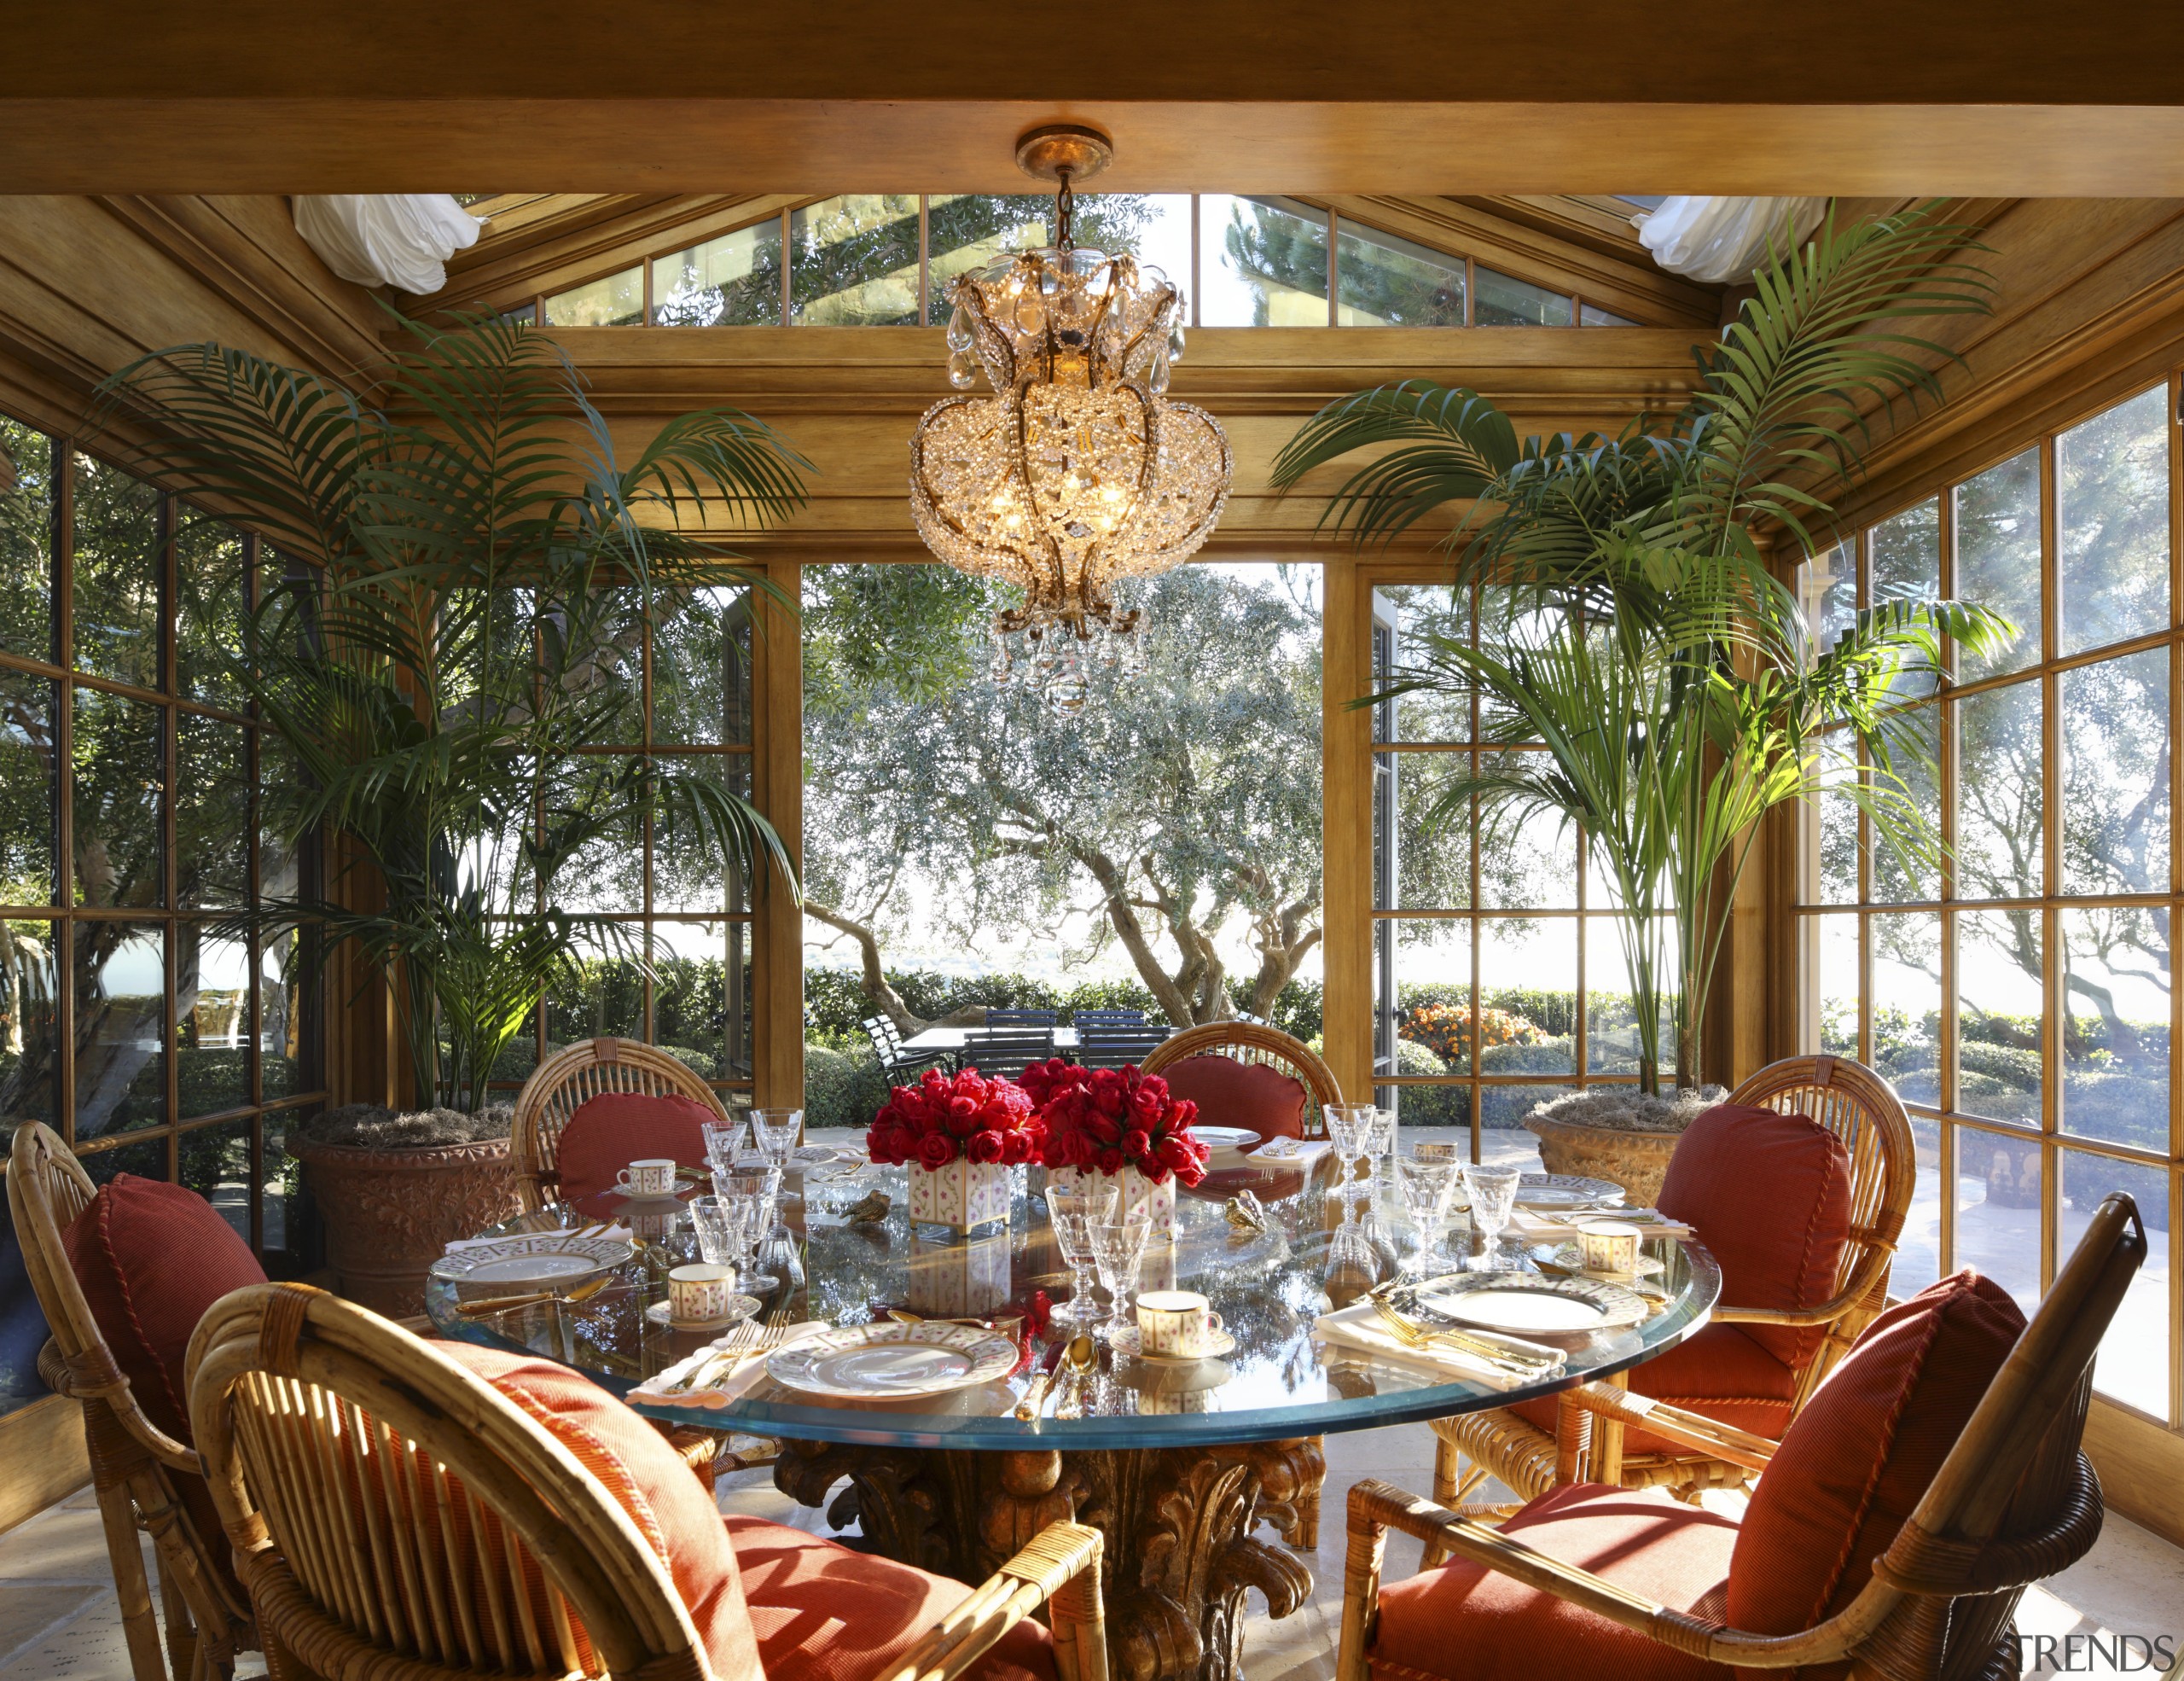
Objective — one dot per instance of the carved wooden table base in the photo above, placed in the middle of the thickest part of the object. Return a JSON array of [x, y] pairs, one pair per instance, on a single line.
[[1180, 1553]]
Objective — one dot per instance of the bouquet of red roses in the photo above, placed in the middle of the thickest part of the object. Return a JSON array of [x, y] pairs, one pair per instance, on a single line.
[[1104, 1120], [942, 1118]]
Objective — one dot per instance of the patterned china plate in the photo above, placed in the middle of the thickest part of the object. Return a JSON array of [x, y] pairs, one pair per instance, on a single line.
[[1126, 1340], [1225, 1138], [535, 1260], [893, 1362], [1520, 1304], [821, 1155], [1567, 1190], [739, 1308]]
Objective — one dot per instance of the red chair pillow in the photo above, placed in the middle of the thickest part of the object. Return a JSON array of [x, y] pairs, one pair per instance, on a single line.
[[1230, 1093], [649, 1479], [151, 1257], [1769, 1195], [1859, 1457], [609, 1131]]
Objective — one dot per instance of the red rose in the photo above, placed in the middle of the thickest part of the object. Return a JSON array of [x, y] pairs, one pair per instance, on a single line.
[[1137, 1146], [1146, 1104], [1016, 1148], [985, 1147], [1103, 1130], [1109, 1161], [1177, 1153], [935, 1150]]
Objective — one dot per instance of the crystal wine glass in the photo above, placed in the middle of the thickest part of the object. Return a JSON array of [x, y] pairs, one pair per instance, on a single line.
[[749, 1190], [1493, 1196], [1426, 1186], [719, 1222], [1072, 1214], [1117, 1250], [775, 1132]]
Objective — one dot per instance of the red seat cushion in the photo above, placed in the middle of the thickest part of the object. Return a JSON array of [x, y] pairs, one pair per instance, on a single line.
[[1769, 1195], [1230, 1093], [823, 1612], [1861, 1453], [609, 1131], [1472, 1623], [671, 1508], [1720, 1372], [151, 1257]]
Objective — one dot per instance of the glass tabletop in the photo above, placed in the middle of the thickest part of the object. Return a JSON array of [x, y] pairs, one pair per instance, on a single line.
[[1268, 1287]]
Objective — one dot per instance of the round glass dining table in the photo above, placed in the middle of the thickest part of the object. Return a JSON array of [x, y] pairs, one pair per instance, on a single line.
[[1177, 1463]]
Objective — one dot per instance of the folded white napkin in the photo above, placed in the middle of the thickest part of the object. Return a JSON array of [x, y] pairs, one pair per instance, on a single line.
[[1535, 1226], [613, 1234], [726, 1385], [1359, 1327]]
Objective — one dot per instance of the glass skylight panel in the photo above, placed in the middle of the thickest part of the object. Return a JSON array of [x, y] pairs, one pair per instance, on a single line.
[[734, 281], [618, 300], [1382, 280], [853, 261], [1504, 301], [1592, 315], [1262, 262]]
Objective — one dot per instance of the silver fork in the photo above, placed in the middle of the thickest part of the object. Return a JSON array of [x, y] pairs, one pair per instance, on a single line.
[[732, 1349]]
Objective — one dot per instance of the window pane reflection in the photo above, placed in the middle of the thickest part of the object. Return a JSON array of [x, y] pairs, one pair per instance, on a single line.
[[853, 261], [1997, 524], [118, 761], [1998, 1181], [1906, 1008], [1262, 262], [733, 281], [2114, 775], [2111, 485], [1383, 281], [1504, 301], [2116, 989], [211, 1022], [2000, 794], [618, 300], [120, 987], [25, 541], [30, 1046], [28, 786], [1999, 1059], [2133, 1364]]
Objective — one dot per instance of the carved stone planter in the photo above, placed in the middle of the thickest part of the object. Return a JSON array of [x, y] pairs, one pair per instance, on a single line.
[[1638, 1161], [390, 1213]]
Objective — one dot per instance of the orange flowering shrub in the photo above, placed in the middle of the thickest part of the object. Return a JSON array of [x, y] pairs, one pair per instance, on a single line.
[[1447, 1030]]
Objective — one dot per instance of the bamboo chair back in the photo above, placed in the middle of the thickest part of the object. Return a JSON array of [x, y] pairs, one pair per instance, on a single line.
[[1861, 1110], [565, 1081], [395, 1516], [133, 1463], [1255, 1042]]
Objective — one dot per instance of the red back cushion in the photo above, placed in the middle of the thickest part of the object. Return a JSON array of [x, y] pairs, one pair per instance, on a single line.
[[609, 1131], [1858, 1458], [1770, 1196], [1230, 1093], [649, 1479], [151, 1257]]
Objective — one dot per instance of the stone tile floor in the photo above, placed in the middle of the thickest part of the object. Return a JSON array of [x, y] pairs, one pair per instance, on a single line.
[[58, 1620]]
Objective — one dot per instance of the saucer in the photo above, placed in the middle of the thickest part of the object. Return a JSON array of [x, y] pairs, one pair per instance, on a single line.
[[739, 1308], [1126, 1340]]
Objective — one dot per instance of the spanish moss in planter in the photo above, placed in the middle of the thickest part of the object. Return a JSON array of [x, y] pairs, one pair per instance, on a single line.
[[1619, 1133]]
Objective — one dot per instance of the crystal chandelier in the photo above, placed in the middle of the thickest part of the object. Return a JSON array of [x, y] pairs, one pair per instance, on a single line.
[[1077, 471]]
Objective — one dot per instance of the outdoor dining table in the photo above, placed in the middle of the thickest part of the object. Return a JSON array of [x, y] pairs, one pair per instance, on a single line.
[[954, 1038], [1176, 1464]]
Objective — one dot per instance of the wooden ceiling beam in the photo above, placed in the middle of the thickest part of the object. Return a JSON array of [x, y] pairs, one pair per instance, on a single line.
[[332, 142]]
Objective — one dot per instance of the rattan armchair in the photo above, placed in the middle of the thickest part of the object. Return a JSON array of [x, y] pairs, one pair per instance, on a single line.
[[1255, 1042], [560, 1086], [136, 1466], [1855, 1104], [294, 1393], [2014, 1501]]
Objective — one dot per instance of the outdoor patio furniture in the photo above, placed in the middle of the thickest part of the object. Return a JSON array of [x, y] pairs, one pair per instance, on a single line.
[[1112, 1047], [129, 1251], [1936, 1476], [1006, 1051], [569, 1079], [898, 1061], [1758, 1364], [998, 1017], [1081, 1019], [428, 1511]]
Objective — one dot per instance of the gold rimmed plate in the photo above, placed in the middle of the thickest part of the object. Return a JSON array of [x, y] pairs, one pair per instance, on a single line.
[[1519, 1304], [893, 1362], [538, 1261]]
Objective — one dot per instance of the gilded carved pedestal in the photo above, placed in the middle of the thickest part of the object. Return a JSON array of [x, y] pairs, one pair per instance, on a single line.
[[1180, 1551]]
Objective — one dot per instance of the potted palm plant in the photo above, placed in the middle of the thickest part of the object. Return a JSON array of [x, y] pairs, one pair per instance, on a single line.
[[1633, 635], [452, 630]]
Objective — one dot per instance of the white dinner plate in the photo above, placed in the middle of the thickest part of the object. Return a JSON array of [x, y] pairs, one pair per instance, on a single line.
[[1522, 1304], [1567, 1190], [893, 1361], [535, 1260], [1225, 1138]]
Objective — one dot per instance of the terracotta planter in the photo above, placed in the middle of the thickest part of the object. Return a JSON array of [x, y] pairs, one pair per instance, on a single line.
[[391, 1213], [1638, 1161]]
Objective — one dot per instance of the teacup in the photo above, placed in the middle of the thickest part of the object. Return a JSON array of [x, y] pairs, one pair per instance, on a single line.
[[1178, 1322], [648, 1175], [698, 1294], [1609, 1247]]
